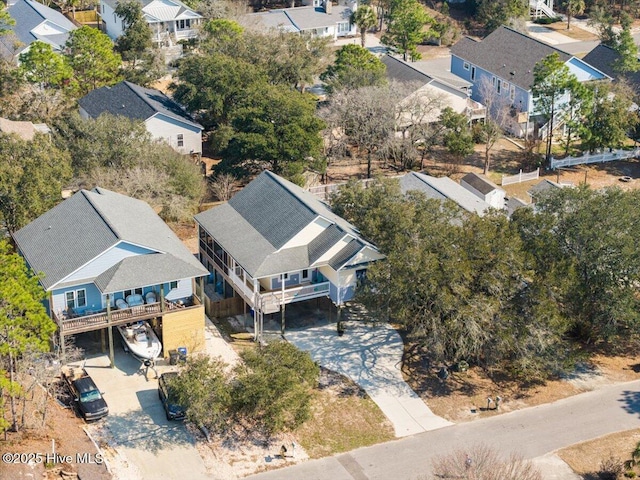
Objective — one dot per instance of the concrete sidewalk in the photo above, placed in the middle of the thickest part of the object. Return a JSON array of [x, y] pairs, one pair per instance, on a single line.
[[371, 356]]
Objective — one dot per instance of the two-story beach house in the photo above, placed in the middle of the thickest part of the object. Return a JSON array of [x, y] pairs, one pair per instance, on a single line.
[[505, 61], [274, 244], [106, 259]]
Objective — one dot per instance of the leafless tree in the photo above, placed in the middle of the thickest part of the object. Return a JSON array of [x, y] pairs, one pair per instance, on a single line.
[[497, 117], [223, 186], [483, 463]]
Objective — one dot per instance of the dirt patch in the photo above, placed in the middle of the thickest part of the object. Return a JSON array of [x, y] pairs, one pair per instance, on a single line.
[[575, 32], [585, 458], [463, 396], [64, 432]]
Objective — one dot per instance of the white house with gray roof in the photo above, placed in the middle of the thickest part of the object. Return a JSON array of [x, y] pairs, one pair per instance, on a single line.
[[34, 21], [164, 118], [485, 189], [443, 188], [274, 244], [99, 254], [322, 19], [170, 20]]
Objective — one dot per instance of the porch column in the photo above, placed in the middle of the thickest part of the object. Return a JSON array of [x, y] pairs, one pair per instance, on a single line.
[[256, 310], [201, 283], [162, 297], [282, 303], [110, 331]]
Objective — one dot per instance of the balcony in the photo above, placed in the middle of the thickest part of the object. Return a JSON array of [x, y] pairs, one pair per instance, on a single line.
[[272, 300], [99, 320]]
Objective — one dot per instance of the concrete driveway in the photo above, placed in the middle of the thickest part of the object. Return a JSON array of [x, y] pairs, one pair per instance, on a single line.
[[148, 446], [371, 356]]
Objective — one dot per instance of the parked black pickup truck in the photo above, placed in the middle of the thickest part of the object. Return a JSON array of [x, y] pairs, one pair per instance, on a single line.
[[86, 394]]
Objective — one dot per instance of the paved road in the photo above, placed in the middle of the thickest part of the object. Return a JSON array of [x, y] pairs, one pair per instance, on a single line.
[[531, 432], [371, 356]]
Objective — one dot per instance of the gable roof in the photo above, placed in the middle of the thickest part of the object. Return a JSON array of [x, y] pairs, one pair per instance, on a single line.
[[403, 72], [480, 183], [604, 57], [87, 224], [35, 21], [257, 223], [443, 188], [298, 19], [134, 102], [542, 187], [505, 52]]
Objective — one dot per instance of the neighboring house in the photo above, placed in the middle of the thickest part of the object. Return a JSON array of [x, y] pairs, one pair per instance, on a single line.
[[512, 204], [163, 117], [505, 60], [604, 58], [274, 244], [483, 188], [170, 20], [542, 188], [322, 19], [34, 21], [443, 188], [24, 130], [98, 249], [435, 94]]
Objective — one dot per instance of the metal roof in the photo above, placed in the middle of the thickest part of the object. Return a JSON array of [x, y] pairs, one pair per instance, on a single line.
[[134, 102], [162, 10], [443, 188], [255, 225], [77, 230]]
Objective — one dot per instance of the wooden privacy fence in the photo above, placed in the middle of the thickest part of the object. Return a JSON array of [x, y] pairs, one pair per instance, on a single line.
[[520, 177], [598, 157]]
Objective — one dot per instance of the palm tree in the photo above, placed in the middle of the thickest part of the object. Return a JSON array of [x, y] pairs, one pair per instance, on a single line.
[[573, 8], [364, 18]]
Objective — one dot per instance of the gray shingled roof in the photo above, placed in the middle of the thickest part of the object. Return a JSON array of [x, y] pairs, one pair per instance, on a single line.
[[84, 226], [346, 254], [543, 186], [28, 14], [403, 72], [259, 220], [152, 269], [480, 183], [603, 58], [133, 101], [443, 188], [508, 54], [302, 18]]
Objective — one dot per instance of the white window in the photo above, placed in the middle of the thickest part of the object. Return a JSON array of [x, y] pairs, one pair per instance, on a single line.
[[305, 274], [512, 92], [499, 86], [134, 291], [465, 65], [473, 73], [173, 285], [343, 27], [76, 298], [493, 81], [180, 140], [182, 24]]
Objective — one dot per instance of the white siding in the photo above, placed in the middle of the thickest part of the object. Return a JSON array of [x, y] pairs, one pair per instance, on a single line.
[[366, 255], [168, 129], [183, 290], [106, 260], [495, 198], [308, 233], [111, 27]]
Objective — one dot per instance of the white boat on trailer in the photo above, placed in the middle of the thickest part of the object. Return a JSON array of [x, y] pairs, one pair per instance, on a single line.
[[140, 339]]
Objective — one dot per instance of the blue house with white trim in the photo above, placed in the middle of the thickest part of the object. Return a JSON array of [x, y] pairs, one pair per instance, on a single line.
[[106, 259], [506, 60]]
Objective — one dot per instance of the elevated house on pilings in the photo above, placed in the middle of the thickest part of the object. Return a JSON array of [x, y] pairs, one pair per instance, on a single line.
[[274, 244], [100, 254]]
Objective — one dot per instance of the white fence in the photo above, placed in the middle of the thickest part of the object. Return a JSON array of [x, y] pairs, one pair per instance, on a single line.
[[521, 177], [324, 191], [619, 154]]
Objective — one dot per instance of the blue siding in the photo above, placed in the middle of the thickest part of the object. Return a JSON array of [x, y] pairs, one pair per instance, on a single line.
[[107, 260], [333, 292], [294, 279], [93, 296], [347, 293]]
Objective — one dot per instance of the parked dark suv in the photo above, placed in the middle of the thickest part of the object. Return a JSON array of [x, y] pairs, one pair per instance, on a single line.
[[168, 397]]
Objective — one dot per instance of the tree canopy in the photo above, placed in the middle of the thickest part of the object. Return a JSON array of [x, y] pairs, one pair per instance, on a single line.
[[354, 67], [406, 27]]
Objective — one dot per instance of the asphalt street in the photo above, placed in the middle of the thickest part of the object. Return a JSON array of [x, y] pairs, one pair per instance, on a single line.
[[531, 432]]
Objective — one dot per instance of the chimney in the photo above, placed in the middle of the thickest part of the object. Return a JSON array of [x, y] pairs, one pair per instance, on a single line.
[[327, 7]]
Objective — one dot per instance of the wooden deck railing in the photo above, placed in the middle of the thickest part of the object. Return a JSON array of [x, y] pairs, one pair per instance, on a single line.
[[87, 323]]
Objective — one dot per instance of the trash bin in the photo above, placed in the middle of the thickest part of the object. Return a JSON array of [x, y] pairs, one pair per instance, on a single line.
[[182, 354], [173, 357]]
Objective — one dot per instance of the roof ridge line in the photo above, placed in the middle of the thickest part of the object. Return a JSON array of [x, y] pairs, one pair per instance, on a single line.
[[534, 39], [100, 212], [411, 67], [128, 84], [277, 178]]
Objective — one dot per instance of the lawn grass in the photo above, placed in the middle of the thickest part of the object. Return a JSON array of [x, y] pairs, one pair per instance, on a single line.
[[342, 423]]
